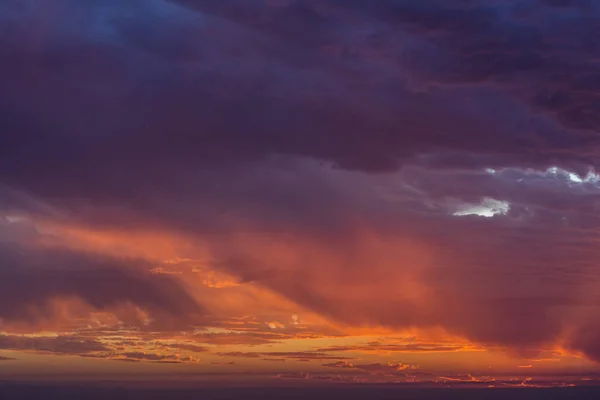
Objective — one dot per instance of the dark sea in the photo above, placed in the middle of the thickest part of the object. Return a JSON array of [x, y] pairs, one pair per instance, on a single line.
[[84, 392]]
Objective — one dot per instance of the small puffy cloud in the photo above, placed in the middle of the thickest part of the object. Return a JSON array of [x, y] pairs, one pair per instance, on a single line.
[[487, 208], [275, 325], [340, 364]]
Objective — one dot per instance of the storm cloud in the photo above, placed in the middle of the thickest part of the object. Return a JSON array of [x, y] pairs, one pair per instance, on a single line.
[[394, 163]]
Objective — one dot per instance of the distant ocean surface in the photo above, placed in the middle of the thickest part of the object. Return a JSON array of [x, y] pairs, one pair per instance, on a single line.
[[11, 391]]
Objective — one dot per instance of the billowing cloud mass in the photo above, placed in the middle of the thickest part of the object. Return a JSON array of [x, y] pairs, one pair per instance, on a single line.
[[30, 278], [220, 170]]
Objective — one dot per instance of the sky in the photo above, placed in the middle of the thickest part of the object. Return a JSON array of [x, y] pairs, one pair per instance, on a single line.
[[300, 191]]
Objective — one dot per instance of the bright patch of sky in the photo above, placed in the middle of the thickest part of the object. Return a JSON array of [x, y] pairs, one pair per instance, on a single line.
[[554, 173], [488, 207]]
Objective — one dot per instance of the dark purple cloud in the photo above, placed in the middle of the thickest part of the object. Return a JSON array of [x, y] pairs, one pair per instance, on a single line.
[[29, 278], [145, 87]]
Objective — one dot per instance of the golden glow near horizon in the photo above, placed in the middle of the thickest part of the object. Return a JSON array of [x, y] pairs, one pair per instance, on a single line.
[[224, 351], [248, 328]]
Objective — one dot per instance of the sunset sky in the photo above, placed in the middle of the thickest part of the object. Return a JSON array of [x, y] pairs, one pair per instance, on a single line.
[[300, 191]]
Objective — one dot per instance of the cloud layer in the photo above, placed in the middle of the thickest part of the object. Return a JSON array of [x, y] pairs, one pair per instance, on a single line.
[[395, 164]]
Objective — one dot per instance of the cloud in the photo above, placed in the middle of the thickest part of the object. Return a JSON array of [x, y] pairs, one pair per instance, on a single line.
[[225, 339], [301, 355], [585, 340], [323, 167], [519, 46], [152, 357], [31, 277], [187, 347], [389, 366], [401, 348], [468, 378], [52, 344], [375, 367], [240, 354], [149, 82], [340, 364], [488, 208]]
